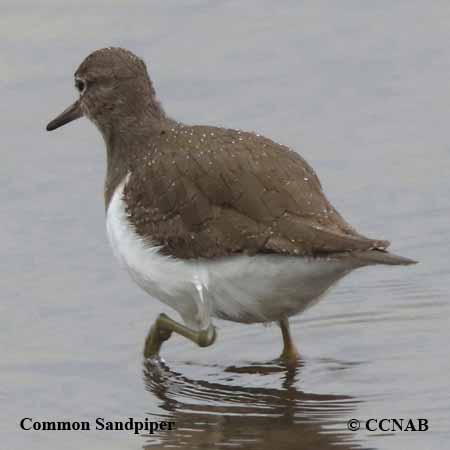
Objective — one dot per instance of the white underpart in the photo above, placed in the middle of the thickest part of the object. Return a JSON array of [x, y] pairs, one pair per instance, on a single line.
[[260, 288]]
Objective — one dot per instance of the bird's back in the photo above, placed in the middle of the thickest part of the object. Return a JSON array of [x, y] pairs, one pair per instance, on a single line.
[[208, 192]]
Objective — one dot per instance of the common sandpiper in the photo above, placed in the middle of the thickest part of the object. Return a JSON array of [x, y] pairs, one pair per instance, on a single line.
[[213, 222]]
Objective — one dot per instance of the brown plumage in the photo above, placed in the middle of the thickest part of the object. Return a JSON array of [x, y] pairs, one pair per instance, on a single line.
[[202, 191], [211, 192]]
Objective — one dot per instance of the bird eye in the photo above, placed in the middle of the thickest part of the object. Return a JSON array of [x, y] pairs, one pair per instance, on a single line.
[[80, 85]]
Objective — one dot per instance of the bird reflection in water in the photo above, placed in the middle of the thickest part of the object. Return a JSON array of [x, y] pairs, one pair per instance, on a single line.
[[219, 414]]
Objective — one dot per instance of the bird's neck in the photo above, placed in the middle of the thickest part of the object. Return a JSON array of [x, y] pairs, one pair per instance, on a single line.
[[127, 142]]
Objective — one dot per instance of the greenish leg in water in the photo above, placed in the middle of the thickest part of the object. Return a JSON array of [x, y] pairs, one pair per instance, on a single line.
[[163, 328], [290, 354]]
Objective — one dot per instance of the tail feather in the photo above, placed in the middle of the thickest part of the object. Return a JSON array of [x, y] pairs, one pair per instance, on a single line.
[[382, 257]]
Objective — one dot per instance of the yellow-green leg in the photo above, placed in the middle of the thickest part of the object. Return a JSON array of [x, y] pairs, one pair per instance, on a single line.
[[162, 330], [290, 354]]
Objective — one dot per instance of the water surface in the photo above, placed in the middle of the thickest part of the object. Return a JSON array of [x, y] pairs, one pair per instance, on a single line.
[[361, 90]]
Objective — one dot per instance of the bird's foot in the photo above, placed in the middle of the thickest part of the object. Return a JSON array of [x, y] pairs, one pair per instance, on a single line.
[[155, 338], [290, 356], [163, 329]]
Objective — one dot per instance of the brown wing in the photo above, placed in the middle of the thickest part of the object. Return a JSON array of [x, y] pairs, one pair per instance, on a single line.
[[224, 192]]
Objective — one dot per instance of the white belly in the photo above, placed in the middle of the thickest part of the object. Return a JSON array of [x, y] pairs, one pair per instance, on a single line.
[[261, 288]]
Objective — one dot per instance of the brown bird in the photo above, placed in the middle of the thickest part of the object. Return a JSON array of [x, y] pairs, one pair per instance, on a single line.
[[213, 222]]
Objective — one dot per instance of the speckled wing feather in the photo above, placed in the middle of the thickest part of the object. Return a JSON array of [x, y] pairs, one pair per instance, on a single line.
[[211, 192]]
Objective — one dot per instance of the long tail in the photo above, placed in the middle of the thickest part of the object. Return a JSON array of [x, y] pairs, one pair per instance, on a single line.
[[382, 257]]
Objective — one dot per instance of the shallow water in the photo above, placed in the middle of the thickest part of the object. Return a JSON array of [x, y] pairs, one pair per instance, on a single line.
[[361, 90]]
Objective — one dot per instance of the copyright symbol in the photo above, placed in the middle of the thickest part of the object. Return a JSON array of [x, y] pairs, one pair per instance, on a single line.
[[353, 424]]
